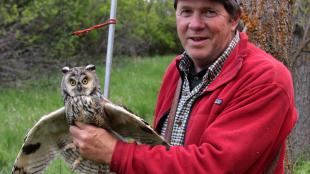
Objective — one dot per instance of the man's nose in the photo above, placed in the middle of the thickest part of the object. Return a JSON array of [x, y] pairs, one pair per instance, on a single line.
[[196, 22]]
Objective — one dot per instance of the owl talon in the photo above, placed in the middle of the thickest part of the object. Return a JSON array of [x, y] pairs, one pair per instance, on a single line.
[[76, 163], [70, 146]]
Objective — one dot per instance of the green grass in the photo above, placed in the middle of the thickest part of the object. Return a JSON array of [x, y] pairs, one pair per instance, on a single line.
[[302, 167], [134, 83]]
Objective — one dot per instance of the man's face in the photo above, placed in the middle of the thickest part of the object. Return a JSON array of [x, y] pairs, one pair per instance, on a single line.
[[205, 29]]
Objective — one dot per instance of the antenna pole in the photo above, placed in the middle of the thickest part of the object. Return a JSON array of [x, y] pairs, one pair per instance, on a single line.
[[110, 49]]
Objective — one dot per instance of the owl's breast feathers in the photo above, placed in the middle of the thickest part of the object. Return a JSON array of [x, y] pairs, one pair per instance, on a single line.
[[86, 109]]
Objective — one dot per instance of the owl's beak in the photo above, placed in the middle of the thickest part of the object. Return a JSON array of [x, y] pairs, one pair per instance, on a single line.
[[79, 87]]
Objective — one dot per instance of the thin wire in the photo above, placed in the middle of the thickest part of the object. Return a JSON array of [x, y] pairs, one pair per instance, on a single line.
[[64, 31]]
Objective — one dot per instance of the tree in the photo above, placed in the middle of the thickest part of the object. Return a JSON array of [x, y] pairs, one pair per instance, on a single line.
[[38, 33], [300, 66], [282, 28]]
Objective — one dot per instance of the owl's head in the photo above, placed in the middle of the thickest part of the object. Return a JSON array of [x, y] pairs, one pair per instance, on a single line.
[[79, 81]]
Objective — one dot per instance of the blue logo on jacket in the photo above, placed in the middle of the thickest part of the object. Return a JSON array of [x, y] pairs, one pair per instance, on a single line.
[[218, 101]]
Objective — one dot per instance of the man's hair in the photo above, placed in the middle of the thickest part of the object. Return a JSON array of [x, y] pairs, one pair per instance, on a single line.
[[231, 6]]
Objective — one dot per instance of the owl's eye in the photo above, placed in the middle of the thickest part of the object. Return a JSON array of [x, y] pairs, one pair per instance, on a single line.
[[85, 81], [72, 82]]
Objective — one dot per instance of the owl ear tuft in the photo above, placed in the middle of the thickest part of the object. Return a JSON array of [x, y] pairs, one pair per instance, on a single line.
[[65, 69], [90, 67]]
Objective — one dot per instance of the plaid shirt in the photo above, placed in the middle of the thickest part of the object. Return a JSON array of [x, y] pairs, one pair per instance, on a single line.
[[188, 96]]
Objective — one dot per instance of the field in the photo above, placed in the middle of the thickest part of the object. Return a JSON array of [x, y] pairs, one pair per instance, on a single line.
[[134, 83]]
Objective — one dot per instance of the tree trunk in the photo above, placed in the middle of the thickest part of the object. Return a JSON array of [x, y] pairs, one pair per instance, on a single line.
[[281, 28], [300, 139], [269, 26]]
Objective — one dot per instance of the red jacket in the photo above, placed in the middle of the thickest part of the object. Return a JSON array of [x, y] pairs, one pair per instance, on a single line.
[[244, 131]]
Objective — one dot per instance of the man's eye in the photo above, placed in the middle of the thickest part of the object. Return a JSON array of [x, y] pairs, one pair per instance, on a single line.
[[185, 13], [209, 13]]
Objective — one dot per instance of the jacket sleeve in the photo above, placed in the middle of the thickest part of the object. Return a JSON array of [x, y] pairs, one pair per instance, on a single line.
[[249, 131]]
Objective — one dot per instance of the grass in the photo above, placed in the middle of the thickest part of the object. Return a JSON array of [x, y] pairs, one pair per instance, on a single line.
[[302, 167], [134, 83]]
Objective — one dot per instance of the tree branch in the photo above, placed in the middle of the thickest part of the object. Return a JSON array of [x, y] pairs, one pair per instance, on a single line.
[[306, 30], [300, 49]]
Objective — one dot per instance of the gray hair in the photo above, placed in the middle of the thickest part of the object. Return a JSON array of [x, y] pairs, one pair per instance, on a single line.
[[231, 6]]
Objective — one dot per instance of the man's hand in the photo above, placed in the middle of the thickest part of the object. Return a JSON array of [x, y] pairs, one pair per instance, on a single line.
[[94, 143]]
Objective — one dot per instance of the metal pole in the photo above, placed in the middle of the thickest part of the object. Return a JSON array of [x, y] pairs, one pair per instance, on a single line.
[[110, 49]]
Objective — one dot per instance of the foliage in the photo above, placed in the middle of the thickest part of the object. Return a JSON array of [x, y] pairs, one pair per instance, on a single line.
[[149, 24], [302, 168], [38, 33]]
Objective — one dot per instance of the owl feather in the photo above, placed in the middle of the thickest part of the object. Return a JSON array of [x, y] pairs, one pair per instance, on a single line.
[[83, 101]]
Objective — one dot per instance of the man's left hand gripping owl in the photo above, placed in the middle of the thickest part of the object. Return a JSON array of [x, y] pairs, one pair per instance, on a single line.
[[85, 103]]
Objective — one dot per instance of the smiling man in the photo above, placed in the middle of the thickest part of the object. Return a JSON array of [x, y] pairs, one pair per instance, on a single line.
[[205, 30], [224, 105]]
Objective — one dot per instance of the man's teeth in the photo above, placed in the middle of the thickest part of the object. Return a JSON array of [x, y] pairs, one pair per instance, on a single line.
[[197, 38]]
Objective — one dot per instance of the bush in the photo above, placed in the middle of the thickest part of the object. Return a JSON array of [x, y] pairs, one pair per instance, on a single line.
[[37, 34]]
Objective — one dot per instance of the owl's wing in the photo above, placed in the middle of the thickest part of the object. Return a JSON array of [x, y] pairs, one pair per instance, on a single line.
[[50, 137], [42, 143], [128, 125]]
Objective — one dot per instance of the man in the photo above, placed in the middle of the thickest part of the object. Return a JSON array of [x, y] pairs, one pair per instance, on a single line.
[[225, 105]]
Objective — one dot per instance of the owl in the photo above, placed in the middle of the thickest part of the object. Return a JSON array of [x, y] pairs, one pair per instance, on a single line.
[[83, 102]]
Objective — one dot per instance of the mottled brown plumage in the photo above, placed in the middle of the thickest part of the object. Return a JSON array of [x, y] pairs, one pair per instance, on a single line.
[[83, 102]]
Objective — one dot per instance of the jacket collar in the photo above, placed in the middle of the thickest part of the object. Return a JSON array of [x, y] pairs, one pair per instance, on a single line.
[[232, 65]]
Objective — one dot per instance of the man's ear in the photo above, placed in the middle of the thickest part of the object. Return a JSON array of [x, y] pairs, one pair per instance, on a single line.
[[235, 21]]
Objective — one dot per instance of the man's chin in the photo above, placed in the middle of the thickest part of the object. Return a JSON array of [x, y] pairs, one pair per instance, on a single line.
[[201, 58], [198, 55]]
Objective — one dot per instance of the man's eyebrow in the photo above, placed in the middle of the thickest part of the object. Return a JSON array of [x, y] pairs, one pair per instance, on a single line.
[[185, 7], [206, 7]]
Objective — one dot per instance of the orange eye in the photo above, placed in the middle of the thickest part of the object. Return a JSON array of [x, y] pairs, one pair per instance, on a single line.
[[72, 82], [85, 81]]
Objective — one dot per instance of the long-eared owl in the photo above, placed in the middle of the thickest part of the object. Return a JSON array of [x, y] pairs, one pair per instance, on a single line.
[[82, 95], [84, 103]]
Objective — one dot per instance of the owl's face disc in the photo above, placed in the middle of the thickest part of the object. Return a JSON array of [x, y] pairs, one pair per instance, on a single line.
[[79, 81]]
